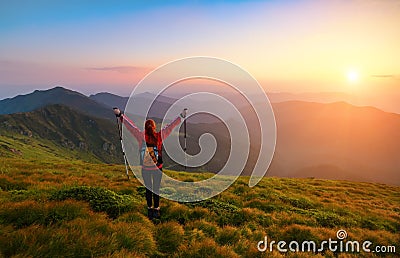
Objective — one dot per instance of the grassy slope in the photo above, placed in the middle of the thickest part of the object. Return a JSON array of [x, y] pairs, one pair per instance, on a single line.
[[37, 220], [17, 145], [60, 131]]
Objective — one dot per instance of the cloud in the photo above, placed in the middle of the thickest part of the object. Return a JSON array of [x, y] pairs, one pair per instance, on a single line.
[[383, 76], [5, 63], [121, 69]]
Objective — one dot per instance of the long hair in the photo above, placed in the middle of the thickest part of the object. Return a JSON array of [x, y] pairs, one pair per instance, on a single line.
[[150, 132]]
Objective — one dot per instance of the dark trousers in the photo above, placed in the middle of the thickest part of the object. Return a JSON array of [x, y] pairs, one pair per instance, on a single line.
[[152, 181]]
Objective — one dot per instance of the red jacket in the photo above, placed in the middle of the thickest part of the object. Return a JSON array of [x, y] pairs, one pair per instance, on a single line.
[[140, 135]]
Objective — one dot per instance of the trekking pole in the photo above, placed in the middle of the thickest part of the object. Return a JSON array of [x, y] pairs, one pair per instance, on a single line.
[[118, 114], [184, 136]]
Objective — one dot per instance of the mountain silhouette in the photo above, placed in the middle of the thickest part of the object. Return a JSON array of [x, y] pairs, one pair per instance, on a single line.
[[337, 141], [57, 95], [110, 100], [322, 140], [158, 109]]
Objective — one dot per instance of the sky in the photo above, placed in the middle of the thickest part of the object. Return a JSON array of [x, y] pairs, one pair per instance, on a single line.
[[349, 46]]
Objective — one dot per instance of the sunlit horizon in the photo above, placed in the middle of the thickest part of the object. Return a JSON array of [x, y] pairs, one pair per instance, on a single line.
[[288, 46]]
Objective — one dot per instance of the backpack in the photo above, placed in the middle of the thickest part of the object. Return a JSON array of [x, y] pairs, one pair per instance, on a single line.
[[149, 156]]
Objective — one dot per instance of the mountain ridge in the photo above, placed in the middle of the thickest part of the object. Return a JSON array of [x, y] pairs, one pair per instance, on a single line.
[[68, 129], [333, 140], [58, 95]]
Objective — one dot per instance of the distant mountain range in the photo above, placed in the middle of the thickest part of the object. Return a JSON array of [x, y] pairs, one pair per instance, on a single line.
[[57, 95], [98, 105], [337, 141], [321, 140], [386, 100], [110, 100], [158, 109]]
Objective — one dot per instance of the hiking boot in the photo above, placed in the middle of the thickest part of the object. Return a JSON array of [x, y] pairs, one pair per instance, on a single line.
[[156, 213], [150, 213]]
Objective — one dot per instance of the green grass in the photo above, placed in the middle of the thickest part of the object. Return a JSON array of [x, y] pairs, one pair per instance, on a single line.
[[59, 207], [17, 145]]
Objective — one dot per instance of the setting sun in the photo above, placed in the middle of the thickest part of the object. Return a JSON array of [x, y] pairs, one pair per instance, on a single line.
[[353, 76]]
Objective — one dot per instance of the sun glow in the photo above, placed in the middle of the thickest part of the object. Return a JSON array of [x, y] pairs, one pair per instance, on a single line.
[[353, 76]]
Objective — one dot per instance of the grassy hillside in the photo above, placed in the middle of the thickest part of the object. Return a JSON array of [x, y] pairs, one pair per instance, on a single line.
[[59, 131], [17, 145], [72, 208]]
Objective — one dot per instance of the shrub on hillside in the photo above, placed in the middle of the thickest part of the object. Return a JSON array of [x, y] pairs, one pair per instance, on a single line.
[[240, 189], [134, 237], [100, 199], [27, 213], [215, 205], [236, 218], [169, 237], [8, 185], [255, 216], [247, 249], [208, 228], [265, 206], [88, 237], [199, 213], [330, 219], [301, 203], [227, 236], [136, 216], [227, 214], [374, 223], [299, 234], [141, 190], [126, 191], [182, 213], [176, 212], [206, 248]]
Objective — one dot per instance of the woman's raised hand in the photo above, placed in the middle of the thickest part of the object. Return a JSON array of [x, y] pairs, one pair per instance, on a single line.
[[184, 113], [117, 112]]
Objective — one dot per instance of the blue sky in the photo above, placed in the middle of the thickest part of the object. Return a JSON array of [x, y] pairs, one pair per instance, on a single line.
[[295, 46], [14, 14]]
